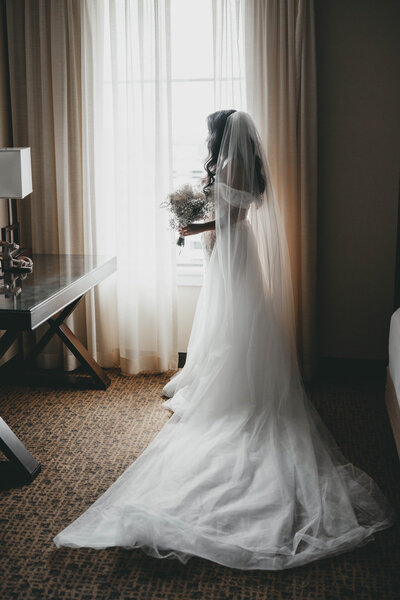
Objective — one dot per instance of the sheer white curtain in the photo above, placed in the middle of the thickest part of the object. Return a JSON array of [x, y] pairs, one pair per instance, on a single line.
[[229, 55], [127, 167]]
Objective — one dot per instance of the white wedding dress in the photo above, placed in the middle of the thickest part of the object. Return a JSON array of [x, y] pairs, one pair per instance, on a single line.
[[244, 473]]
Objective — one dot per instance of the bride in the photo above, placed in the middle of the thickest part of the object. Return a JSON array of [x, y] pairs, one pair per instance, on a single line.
[[244, 473]]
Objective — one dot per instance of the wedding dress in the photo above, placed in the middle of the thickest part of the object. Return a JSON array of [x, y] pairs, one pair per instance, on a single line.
[[244, 473]]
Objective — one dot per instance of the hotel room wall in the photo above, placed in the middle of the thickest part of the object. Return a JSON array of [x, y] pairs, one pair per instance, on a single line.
[[358, 61]]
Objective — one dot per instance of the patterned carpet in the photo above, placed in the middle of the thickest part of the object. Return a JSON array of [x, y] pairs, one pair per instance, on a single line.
[[85, 438]]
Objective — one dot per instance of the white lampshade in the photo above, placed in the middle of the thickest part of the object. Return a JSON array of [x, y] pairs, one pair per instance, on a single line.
[[15, 172]]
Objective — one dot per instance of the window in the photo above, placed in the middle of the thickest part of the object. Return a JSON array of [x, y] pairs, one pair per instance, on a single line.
[[192, 91], [192, 99]]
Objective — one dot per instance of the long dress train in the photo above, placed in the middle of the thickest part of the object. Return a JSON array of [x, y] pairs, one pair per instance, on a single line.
[[246, 486], [244, 473]]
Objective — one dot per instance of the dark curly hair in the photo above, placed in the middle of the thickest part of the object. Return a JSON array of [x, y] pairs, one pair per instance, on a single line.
[[216, 124]]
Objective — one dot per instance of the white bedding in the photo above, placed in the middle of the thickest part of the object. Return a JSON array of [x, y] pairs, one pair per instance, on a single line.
[[394, 351]]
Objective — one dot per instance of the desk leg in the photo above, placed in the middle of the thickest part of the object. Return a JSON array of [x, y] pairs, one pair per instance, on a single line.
[[7, 339], [10, 445], [16, 452], [79, 350], [54, 325], [71, 341]]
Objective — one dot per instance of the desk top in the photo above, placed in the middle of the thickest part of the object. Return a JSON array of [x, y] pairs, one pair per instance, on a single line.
[[56, 280]]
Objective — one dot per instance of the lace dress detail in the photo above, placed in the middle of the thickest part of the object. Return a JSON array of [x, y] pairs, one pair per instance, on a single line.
[[207, 241], [208, 237]]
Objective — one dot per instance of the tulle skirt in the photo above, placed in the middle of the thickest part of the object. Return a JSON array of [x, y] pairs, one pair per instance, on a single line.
[[244, 473]]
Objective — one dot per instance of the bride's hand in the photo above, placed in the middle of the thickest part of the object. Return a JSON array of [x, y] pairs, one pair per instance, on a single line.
[[190, 229]]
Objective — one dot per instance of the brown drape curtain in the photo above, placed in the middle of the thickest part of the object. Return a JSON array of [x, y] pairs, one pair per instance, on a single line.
[[282, 97], [44, 45]]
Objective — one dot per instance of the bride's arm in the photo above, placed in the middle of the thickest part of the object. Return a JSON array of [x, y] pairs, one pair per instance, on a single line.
[[235, 214], [208, 226], [195, 228]]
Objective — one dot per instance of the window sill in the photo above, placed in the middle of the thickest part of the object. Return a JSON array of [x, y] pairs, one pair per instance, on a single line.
[[189, 275]]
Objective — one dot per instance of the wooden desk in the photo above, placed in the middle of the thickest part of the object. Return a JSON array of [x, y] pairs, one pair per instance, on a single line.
[[56, 285]]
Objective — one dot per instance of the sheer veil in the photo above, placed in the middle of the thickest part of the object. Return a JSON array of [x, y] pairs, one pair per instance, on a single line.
[[253, 259], [243, 189]]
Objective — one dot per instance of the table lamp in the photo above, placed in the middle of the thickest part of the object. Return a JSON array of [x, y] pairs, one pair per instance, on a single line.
[[15, 182]]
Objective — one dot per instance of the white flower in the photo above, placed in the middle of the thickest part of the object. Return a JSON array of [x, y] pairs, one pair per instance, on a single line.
[[188, 205]]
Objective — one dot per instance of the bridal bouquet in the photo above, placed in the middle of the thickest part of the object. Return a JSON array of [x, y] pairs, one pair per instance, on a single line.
[[187, 205]]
